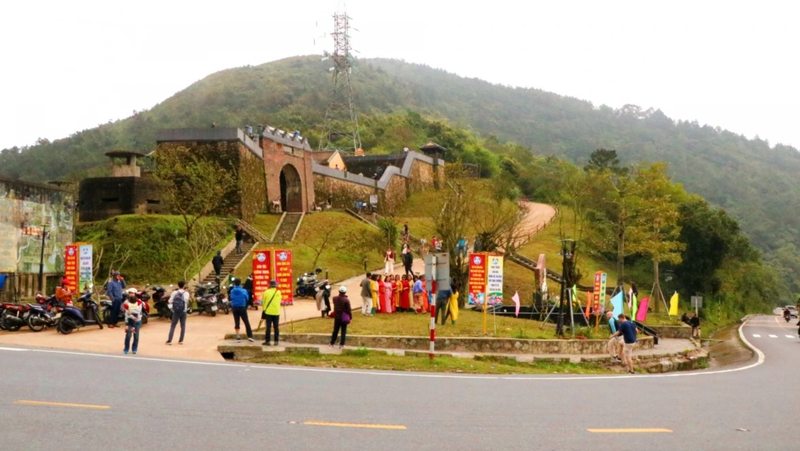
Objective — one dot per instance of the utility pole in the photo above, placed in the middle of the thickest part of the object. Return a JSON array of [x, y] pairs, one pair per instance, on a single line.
[[341, 111], [41, 262]]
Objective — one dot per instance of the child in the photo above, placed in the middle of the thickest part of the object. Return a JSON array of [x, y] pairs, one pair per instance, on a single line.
[[133, 320]]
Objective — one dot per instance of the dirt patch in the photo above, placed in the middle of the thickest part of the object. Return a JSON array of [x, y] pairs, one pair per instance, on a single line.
[[730, 351]]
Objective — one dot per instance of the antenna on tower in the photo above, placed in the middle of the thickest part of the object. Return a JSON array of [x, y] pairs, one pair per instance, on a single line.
[[341, 119]]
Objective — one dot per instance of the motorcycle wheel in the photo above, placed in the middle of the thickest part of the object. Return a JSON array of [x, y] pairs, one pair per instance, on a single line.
[[212, 313], [66, 326], [107, 316], [34, 325], [144, 319], [225, 309], [10, 326]]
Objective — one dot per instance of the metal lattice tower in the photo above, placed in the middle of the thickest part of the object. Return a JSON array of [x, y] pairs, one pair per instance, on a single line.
[[341, 111]]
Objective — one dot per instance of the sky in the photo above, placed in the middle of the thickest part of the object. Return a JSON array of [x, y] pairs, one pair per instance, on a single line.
[[69, 66]]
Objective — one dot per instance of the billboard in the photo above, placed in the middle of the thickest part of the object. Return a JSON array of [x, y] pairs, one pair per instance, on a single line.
[[269, 264], [26, 212]]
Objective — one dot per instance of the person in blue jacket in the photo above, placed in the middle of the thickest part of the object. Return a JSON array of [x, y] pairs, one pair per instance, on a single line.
[[114, 292], [239, 298]]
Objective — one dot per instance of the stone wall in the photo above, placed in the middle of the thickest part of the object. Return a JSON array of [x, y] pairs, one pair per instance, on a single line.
[[340, 193], [465, 344], [393, 197], [252, 184], [105, 197], [673, 331]]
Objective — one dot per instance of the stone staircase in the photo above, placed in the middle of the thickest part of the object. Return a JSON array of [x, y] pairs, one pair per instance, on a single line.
[[288, 227], [231, 262], [253, 232]]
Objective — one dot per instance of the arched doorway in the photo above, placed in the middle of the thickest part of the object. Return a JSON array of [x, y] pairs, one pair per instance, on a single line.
[[291, 189]]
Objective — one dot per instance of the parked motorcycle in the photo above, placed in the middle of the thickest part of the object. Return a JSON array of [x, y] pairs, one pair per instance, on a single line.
[[223, 303], [71, 317], [161, 302], [44, 313], [14, 316], [307, 284]]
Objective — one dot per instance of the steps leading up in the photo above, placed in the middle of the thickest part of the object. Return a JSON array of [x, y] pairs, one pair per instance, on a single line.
[[231, 262], [288, 227]]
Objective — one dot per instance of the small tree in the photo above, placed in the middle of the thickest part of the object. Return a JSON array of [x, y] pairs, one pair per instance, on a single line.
[[320, 239], [451, 225], [194, 187], [389, 230], [202, 242]]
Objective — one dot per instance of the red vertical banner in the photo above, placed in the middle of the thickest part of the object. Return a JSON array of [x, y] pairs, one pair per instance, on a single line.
[[262, 272], [283, 275], [71, 266], [477, 279], [598, 279]]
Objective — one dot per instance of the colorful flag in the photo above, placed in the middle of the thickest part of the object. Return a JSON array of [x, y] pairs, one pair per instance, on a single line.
[[616, 303], [634, 305], [673, 304], [515, 298], [630, 298], [641, 316]]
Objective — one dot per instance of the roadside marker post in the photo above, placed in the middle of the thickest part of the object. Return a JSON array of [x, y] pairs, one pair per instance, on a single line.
[[432, 297]]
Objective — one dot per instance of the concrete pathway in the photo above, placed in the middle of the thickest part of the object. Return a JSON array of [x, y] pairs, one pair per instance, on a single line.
[[203, 333]]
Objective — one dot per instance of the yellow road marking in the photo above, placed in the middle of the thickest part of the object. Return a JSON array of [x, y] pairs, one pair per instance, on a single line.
[[60, 404], [628, 431], [355, 425]]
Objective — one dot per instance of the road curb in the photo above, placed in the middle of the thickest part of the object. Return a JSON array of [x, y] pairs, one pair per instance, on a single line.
[[758, 352]]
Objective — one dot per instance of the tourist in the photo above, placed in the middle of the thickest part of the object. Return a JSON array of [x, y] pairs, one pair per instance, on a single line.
[[133, 320], [695, 323], [423, 246], [375, 289], [442, 300], [239, 239], [387, 300], [248, 287], [452, 306], [177, 302], [405, 294], [614, 346], [272, 311], [342, 314], [419, 292], [217, 263], [685, 319], [408, 261], [239, 298], [322, 297], [397, 287], [366, 295], [114, 292], [405, 230], [438, 244], [627, 329], [388, 260], [63, 293]]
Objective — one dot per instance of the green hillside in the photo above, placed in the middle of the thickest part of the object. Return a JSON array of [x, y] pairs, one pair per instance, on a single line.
[[754, 182]]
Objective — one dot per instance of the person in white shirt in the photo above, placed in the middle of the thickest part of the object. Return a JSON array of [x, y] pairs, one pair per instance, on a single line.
[[133, 308], [388, 260], [178, 301]]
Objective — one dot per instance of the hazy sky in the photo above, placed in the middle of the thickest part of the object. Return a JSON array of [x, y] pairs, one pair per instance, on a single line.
[[68, 66]]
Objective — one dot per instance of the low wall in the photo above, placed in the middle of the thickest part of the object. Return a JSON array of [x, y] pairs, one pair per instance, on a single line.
[[464, 344], [673, 331]]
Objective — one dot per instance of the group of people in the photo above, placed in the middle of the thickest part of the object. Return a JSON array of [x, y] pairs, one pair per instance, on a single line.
[[390, 294]]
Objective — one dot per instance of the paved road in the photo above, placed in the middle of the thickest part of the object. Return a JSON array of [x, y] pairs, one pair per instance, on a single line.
[[181, 405]]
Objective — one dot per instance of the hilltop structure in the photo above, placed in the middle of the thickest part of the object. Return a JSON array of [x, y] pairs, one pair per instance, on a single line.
[[278, 171]]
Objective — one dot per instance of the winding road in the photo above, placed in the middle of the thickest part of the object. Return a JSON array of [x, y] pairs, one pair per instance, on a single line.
[[56, 399]]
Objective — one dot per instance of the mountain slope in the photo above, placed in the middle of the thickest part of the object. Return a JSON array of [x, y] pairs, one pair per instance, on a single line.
[[754, 182]]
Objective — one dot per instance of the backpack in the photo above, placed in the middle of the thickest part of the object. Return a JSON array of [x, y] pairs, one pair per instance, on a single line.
[[179, 302]]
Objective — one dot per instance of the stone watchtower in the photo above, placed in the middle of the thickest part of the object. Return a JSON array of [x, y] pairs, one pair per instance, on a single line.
[[125, 192]]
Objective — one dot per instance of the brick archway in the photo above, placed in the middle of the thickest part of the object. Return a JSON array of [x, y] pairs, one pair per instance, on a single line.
[[291, 189]]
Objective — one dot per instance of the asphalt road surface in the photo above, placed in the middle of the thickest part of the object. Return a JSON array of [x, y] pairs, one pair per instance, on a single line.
[[136, 403]]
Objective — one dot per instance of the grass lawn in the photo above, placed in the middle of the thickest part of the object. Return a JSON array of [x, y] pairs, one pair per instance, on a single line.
[[547, 242], [336, 259], [368, 360], [470, 324], [266, 223]]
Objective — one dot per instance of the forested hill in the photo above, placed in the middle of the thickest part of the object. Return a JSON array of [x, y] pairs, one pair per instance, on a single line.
[[754, 182]]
